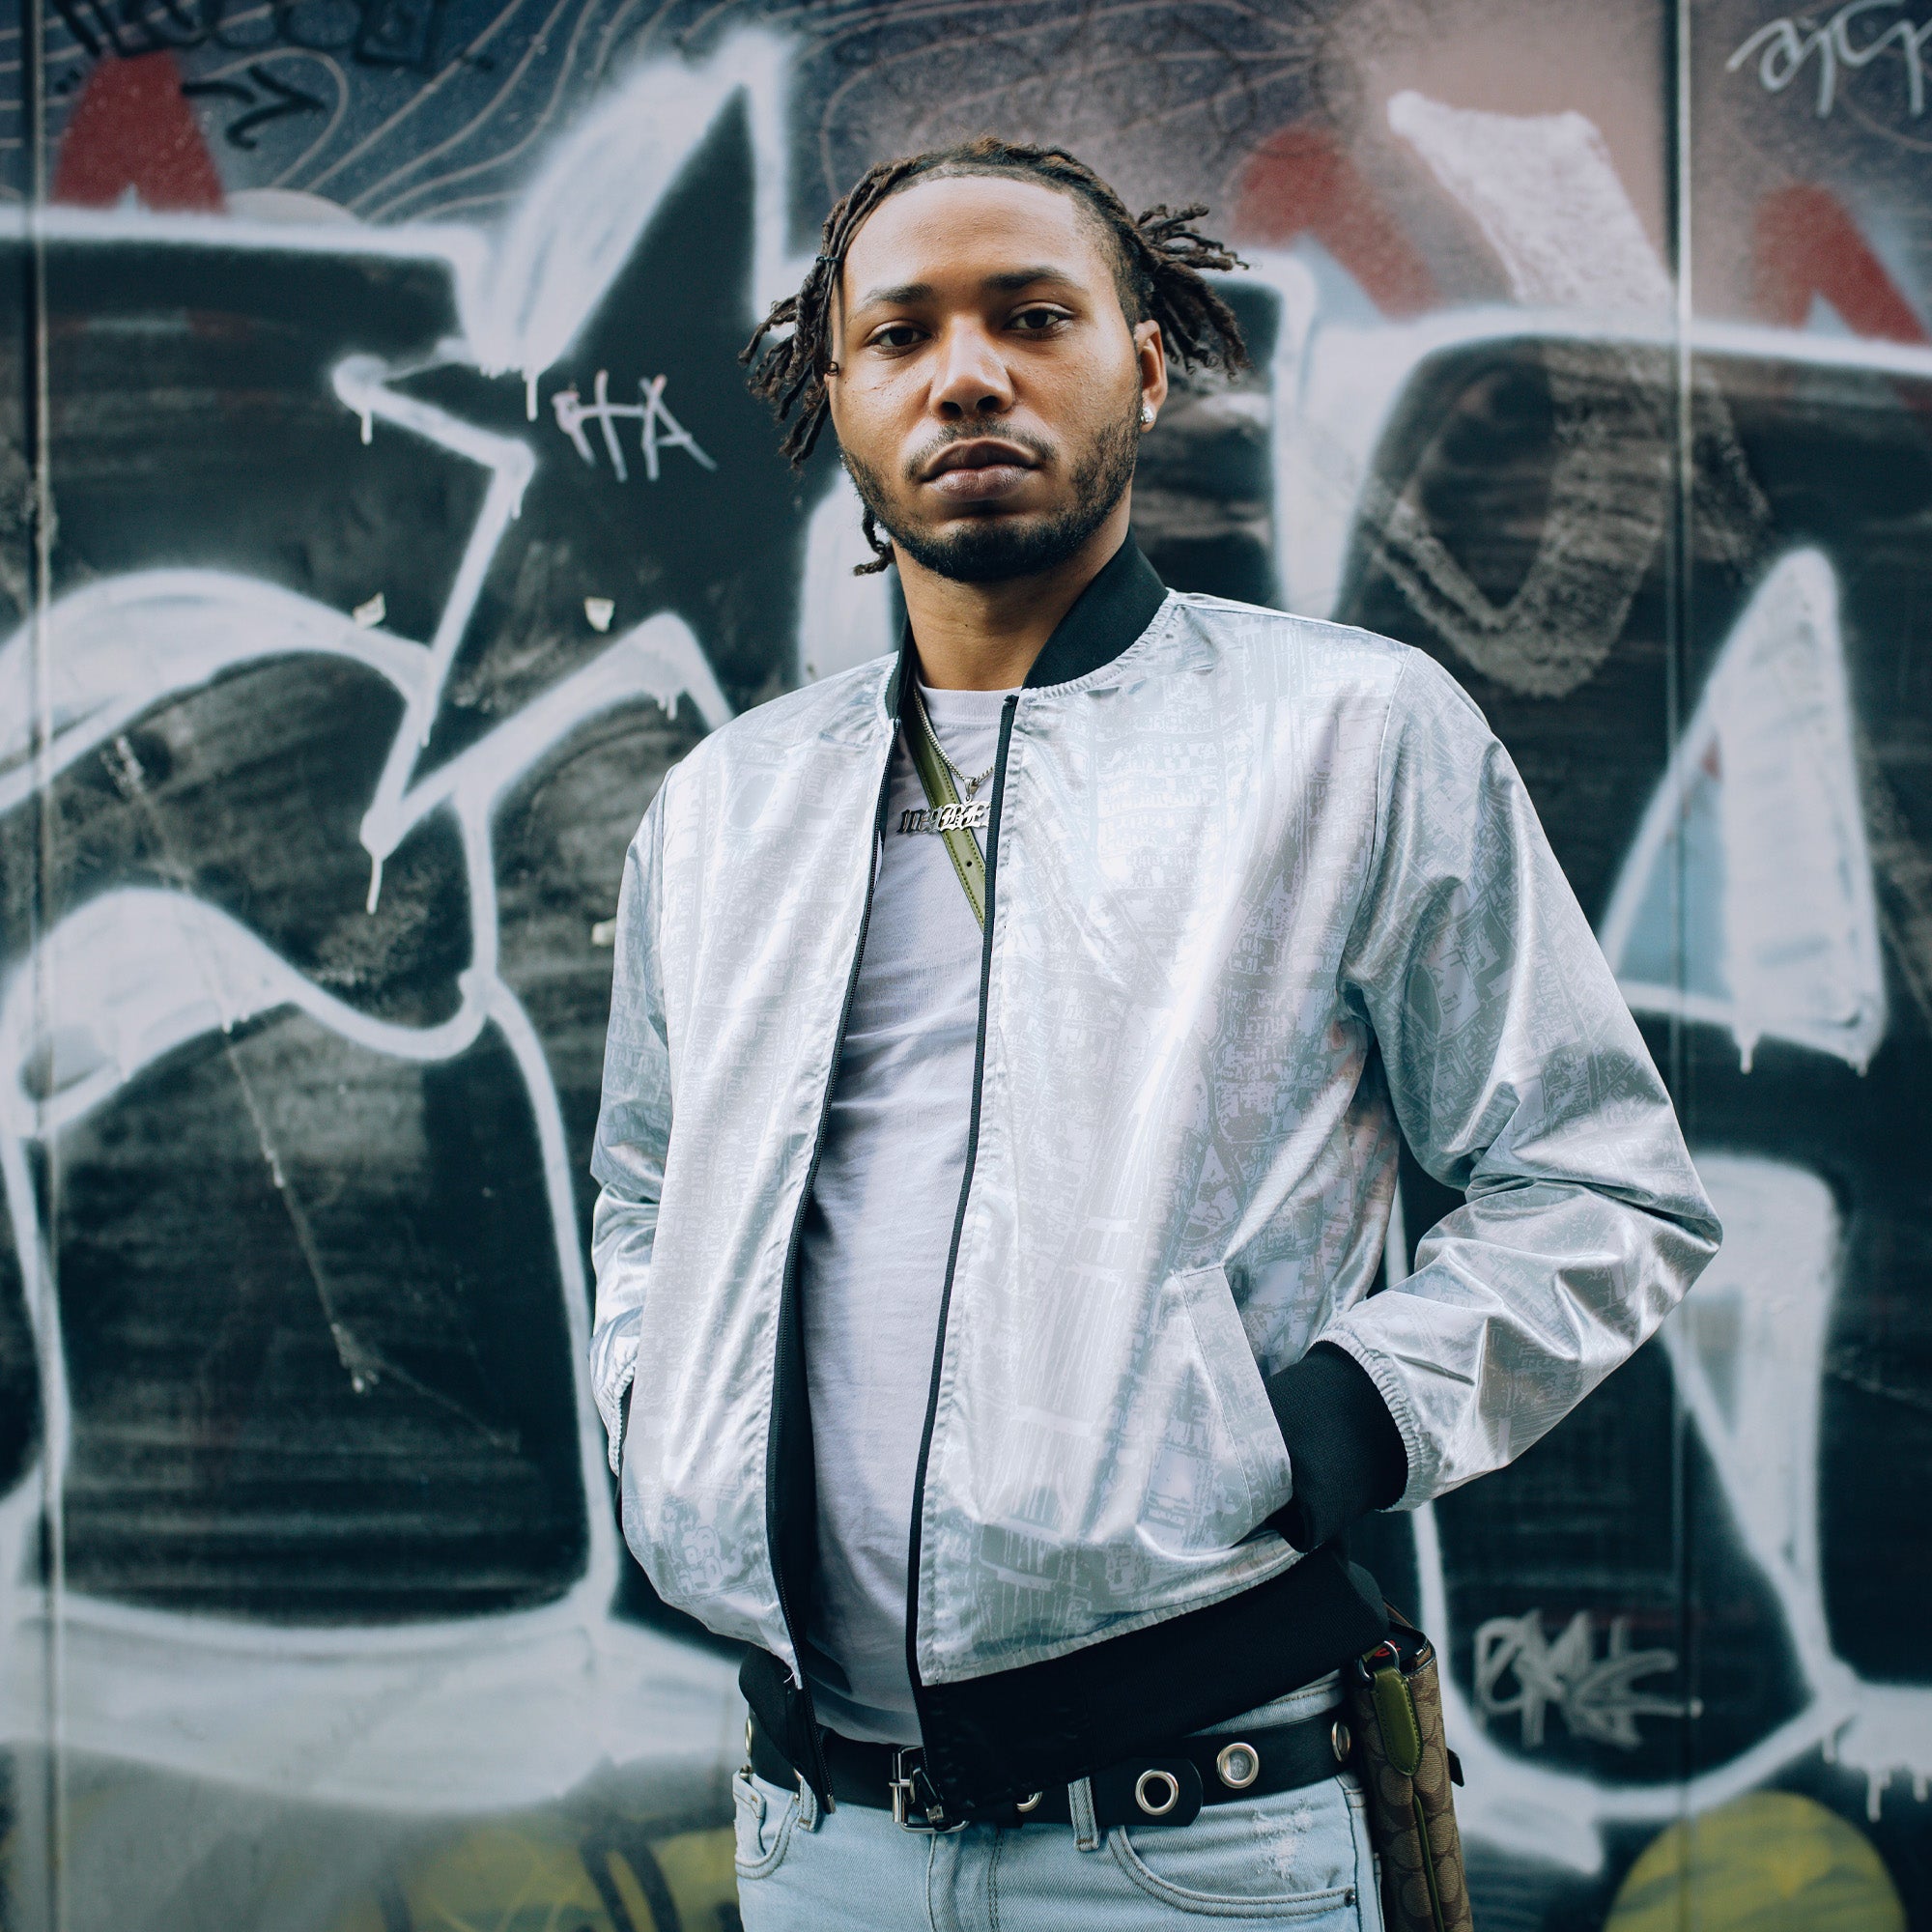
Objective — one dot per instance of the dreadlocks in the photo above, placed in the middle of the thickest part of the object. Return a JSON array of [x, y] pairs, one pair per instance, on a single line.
[[1158, 260]]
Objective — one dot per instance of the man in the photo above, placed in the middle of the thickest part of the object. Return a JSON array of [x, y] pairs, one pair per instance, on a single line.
[[1000, 1118]]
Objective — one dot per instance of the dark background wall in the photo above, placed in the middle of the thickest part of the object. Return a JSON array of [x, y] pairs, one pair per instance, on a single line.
[[383, 514]]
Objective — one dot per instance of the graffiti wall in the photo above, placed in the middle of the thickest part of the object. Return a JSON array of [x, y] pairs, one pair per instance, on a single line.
[[383, 515]]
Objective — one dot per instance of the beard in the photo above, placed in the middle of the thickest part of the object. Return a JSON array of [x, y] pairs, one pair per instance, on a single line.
[[996, 548]]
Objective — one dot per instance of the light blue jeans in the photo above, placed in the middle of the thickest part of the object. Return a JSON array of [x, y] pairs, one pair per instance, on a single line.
[[1299, 1858]]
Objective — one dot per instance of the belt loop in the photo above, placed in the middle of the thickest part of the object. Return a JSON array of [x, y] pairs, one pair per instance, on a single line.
[[808, 1806], [1080, 1803]]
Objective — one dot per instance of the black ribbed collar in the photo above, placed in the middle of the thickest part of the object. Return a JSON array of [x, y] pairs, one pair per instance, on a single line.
[[1106, 617]]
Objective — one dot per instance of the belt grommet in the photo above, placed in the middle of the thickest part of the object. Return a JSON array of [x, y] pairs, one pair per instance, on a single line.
[[1341, 1740], [1032, 1803], [1237, 1766], [1146, 1802]]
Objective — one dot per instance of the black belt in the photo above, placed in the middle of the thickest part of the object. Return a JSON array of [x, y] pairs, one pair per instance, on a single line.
[[1167, 1786]]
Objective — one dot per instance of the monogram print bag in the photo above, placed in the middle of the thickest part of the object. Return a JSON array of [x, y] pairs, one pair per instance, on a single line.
[[1395, 1710]]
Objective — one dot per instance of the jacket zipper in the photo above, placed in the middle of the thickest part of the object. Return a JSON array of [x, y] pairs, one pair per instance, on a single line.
[[1008, 712], [784, 1368]]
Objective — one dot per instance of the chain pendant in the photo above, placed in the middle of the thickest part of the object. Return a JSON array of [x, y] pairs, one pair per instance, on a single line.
[[947, 818]]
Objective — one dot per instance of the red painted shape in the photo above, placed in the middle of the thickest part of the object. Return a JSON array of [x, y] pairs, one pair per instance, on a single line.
[[1804, 243], [1299, 182], [131, 129]]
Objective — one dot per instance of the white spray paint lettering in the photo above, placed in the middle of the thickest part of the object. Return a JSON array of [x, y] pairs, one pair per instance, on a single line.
[[1596, 1696], [658, 429], [1784, 45]]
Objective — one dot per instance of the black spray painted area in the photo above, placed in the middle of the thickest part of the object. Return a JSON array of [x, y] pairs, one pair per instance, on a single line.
[[393, 560]]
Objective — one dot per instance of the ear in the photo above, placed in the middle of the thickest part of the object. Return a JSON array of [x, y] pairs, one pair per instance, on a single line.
[[1150, 353]]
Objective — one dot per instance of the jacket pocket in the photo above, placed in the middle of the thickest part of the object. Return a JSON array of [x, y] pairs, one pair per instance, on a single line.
[[1247, 1429]]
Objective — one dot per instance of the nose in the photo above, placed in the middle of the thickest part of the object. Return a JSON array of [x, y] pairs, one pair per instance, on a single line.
[[970, 379]]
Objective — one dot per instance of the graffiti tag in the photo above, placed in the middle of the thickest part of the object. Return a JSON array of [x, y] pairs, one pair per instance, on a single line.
[[1785, 45], [374, 33], [277, 98], [1593, 1695], [658, 428]]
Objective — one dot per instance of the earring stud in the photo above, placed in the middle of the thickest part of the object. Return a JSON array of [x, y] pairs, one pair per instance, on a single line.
[[1146, 415]]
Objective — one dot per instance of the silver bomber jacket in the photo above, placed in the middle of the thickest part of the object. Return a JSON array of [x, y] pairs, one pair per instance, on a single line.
[[1265, 890]]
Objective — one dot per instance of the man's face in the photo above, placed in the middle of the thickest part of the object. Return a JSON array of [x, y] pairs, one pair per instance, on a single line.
[[989, 387]]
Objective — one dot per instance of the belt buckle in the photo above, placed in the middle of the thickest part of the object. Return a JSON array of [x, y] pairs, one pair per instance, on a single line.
[[908, 1775]]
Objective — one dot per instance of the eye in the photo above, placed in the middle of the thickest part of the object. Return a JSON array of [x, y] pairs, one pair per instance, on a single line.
[[895, 335], [1038, 319]]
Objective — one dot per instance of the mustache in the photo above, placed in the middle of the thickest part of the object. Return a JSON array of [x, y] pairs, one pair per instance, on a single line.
[[1035, 446]]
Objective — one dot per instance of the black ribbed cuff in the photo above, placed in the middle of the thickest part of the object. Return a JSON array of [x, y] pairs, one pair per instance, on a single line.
[[1344, 1448]]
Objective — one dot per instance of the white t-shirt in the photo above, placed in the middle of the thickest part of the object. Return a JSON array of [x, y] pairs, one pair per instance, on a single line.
[[876, 1236]]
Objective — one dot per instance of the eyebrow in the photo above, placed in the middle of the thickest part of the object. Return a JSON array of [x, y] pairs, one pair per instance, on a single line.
[[1010, 281]]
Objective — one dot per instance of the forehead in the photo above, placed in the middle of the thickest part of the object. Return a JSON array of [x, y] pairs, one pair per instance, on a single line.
[[962, 227]]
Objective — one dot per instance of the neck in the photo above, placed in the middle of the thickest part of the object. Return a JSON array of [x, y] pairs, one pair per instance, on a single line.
[[985, 636]]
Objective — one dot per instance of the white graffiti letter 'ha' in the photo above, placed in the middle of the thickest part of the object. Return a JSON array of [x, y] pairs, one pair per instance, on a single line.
[[659, 429]]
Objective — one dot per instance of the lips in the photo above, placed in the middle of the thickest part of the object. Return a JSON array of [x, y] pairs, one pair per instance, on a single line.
[[984, 453], [980, 470]]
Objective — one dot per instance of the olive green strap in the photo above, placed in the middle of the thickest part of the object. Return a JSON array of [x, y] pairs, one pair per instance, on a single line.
[[941, 794], [1395, 1711]]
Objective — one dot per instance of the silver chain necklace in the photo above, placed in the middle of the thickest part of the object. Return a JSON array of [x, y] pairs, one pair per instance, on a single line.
[[969, 785]]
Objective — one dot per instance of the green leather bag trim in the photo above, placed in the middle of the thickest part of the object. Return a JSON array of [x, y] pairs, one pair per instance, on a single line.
[[1395, 1714]]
